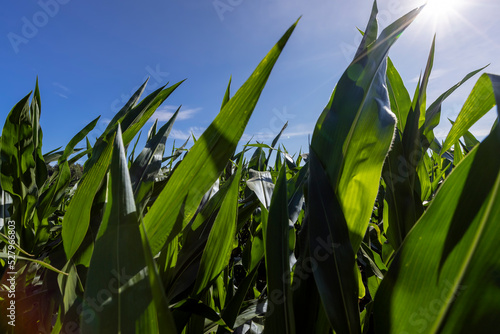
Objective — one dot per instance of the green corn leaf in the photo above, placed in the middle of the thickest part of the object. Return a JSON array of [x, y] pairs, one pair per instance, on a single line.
[[77, 218], [132, 154], [279, 315], [433, 113], [273, 144], [140, 114], [278, 136], [253, 251], [207, 158], [35, 109], [444, 278], [52, 155], [68, 285], [231, 311], [306, 299], [132, 118], [370, 34], [152, 130], [195, 236], [52, 197], [17, 166], [469, 139], [164, 317], [405, 206], [18, 169], [147, 165], [193, 313], [117, 265], [457, 153], [480, 101], [56, 155], [423, 173], [410, 141], [259, 145], [376, 265], [89, 147], [399, 97], [78, 156], [84, 252], [422, 94], [220, 241], [227, 94], [295, 191], [354, 133], [125, 109], [331, 249], [258, 160]]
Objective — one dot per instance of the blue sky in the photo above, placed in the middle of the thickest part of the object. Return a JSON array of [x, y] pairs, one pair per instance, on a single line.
[[91, 55]]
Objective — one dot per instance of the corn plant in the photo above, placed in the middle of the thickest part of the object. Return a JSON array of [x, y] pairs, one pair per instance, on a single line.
[[379, 228]]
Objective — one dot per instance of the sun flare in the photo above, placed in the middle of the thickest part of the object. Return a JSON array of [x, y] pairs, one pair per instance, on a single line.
[[443, 15], [443, 8]]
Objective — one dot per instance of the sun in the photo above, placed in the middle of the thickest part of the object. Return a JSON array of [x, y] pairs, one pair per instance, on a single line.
[[443, 8], [442, 15]]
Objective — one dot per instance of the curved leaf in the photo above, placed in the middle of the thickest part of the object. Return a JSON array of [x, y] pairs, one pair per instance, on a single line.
[[479, 102], [355, 131]]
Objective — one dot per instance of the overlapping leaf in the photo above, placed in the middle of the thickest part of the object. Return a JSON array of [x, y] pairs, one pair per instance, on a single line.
[[118, 263], [18, 168], [279, 316], [208, 157], [331, 250], [219, 245], [479, 102], [444, 279], [354, 133]]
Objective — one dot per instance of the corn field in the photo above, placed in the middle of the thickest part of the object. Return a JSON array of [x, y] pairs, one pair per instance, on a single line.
[[379, 228]]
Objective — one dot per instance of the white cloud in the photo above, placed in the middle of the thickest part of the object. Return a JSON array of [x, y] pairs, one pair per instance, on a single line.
[[183, 135], [435, 74], [259, 136], [164, 114], [105, 121], [62, 87], [268, 136], [61, 90]]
